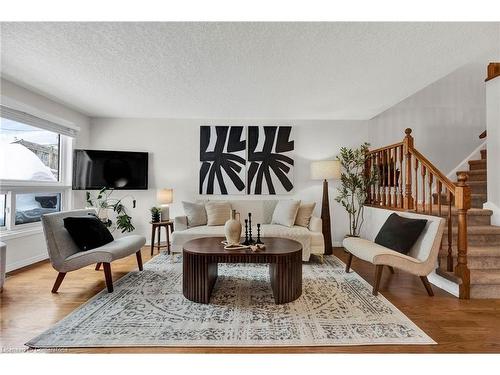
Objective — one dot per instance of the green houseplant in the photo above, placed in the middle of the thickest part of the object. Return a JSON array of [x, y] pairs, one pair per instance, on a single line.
[[155, 214], [104, 203], [354, 184]]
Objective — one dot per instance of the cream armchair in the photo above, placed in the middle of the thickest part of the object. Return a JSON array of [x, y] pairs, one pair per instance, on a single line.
[[421, 260], [65, 256]]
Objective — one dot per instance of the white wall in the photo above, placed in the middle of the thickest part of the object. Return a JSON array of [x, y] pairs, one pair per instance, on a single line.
[[446, 117], [493, 139], [24, 250], [174, 158]]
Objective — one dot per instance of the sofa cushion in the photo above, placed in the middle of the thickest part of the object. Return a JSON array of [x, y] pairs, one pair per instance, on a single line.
[[400, 233], [195, 213], [88, 232], [218, 212], [304, 214], [285, 212]]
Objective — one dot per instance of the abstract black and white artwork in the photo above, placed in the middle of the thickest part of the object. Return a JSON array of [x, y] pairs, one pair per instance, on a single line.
[[222, 160], [269, 160]]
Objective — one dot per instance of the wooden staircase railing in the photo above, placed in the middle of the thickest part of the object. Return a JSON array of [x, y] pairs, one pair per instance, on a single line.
[[409, 181]]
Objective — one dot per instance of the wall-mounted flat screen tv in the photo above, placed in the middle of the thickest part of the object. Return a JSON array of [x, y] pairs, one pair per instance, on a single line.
[[121, 170]]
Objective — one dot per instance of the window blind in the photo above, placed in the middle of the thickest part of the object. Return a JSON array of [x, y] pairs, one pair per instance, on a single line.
[[26, 118]]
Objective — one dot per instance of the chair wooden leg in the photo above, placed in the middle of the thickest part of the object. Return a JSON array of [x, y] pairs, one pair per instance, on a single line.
[[427, 285], [139, 259], [98, 266], [348, 264], [59, 280], [391, 269], [378, 276], [109, 278]]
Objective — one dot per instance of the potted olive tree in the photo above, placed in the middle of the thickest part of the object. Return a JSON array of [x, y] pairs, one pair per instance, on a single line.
[[355, 182]]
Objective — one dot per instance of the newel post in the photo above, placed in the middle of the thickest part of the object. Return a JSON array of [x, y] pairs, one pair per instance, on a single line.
[[462, 203], [408, 203]]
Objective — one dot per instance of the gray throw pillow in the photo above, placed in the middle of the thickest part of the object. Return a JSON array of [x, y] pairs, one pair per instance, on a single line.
[[285, 212], [196, 214]]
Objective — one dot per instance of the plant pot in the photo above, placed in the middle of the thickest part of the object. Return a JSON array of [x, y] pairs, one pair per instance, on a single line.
[[155, 218]]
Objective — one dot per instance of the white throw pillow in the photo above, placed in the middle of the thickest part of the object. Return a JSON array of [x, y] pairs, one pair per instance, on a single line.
[[285, 212], [196, 214], [218, 212], [304, 214]]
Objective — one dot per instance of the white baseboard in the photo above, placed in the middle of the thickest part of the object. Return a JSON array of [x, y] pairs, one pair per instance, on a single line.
[[337, 244], [443, 283], [25, 262]]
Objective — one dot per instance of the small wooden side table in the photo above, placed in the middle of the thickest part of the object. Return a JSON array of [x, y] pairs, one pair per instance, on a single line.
[[168, 225]]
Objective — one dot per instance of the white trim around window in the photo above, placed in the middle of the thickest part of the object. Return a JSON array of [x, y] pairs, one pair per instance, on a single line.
[[11, 188]]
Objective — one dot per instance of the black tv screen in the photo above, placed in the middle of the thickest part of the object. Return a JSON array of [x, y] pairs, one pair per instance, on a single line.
[[121, 170]]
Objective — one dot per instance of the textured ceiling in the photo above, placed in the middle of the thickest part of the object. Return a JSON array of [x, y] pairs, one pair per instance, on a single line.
[[237, 70]]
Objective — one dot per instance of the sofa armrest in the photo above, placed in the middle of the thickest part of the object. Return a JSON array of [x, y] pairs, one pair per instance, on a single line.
[[180, 223], [315, 224]]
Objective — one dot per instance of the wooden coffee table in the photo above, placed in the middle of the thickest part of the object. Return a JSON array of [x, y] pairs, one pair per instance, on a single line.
[[202, 256]]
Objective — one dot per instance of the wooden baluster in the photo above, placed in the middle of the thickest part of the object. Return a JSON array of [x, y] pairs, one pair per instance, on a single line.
[[423, 171], [388, 176], [382, 164], [449, 260], [408, 146], [416, 185], [431, 178], [374, 187], [394, 179], [462, 203], [439, 188], [400, 182], [367, 173], [379, 195]]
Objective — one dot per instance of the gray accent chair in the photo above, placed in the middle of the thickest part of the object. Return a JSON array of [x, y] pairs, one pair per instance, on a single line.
[[65, 256]]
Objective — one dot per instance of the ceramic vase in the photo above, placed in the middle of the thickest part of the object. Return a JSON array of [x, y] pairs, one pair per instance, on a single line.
[[232, 229]]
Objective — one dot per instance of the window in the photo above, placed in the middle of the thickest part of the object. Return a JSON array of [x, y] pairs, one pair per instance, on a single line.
[[35, 164], [3, 216], [30, 207], [28, 153]]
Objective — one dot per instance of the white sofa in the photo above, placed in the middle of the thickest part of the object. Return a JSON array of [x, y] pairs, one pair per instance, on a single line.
[[311, 238], [420, 261]]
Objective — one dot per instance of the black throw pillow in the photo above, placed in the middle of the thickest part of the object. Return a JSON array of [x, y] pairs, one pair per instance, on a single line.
[[88, 232], [400, 233]]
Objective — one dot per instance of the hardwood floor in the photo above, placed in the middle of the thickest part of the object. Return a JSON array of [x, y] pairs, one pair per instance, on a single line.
[[27, 308]]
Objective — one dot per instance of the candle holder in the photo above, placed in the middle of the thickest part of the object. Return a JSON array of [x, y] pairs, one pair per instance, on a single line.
[[258, 242], [246, 243], [250, 239]]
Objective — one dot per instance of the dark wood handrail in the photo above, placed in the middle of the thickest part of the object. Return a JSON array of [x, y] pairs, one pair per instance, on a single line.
[[482, 135], [409, 181]]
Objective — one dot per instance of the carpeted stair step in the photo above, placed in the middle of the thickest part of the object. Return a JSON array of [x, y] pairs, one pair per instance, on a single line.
[[475, 216], [485, 283], [479, 235], [475, 175], [483, 154], [478, 257], [477, 200], [477, 164], [478, 187]]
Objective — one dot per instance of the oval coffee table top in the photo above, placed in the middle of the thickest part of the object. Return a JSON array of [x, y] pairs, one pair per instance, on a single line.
[[213, 245]]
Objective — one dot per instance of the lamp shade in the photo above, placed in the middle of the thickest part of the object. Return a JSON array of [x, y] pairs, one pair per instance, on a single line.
[[325, 169], [165, 196]]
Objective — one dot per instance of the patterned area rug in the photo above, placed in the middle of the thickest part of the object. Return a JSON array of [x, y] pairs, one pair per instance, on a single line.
[[148, 309]]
